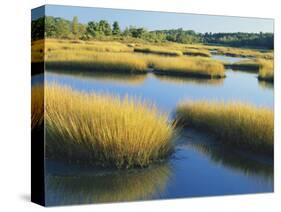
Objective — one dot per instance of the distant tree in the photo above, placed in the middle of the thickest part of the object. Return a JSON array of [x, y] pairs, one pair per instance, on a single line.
[[38, 28], [62, 28], [160, 36], [137, 32], [127, 32], [92, 29], [75, 26], [82, 29], [104, 27], [50, 27], [53, 27], [56, 27], [116, 28]]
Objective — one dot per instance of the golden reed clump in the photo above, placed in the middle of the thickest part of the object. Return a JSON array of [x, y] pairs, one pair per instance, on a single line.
[[266, 71], [37, 106], [117, 57], [189, 66], [104, 129], [237, 124]]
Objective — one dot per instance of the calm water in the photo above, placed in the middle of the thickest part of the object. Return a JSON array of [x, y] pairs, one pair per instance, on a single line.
[[199, 166], [228, 58]]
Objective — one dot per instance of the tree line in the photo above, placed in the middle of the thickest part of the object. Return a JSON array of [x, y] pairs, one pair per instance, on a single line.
[[55, 27]]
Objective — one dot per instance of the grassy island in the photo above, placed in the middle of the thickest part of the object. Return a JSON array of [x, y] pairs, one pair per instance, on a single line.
[[113, 56], [104, 130], [235, 124]]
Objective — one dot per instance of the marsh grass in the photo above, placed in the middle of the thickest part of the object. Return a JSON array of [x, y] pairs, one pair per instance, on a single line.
[[43, 47], [104, 130], [158, 51], [250, 65], [263, 67], [37, 51], [239, 52], [119, 57], [266, 71], [235, 124], [112, 77], [197, 52], [37, 106], [136, 63], [188, 66], [228, 51], [96, 61], [79, 45], [173, 49]]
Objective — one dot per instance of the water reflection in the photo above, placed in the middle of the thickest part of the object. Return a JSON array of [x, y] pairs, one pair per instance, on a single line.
[[228, 59], [266, 85], [250, 165], [184, 80], [200, 167], [37, 79], [112, 186], [166, 92], [108, 77]]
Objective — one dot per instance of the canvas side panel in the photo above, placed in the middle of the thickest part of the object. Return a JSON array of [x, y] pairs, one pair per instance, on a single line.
[[37, 106]]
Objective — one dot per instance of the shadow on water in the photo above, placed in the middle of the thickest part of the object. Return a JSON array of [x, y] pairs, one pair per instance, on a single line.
[[236, 160], [106, 185]]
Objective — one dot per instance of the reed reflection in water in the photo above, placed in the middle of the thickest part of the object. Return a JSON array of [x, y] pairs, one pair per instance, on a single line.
[[115, 186], [250, 165], [106, 77]]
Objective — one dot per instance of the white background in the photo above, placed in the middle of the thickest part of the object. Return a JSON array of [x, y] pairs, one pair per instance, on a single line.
[[15, 104]]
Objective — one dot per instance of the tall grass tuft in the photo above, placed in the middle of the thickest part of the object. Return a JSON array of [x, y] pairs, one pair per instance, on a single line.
[[188, 66], [102, 129], [158, 51], [96, 61], [235, 124], [239, 52], [37, 106], [249, 65], [197, 52], [117, 57], [264, 68], [79, 45], [266, 71]]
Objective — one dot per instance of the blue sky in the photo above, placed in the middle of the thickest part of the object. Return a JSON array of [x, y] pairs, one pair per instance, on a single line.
[[159, 20]]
